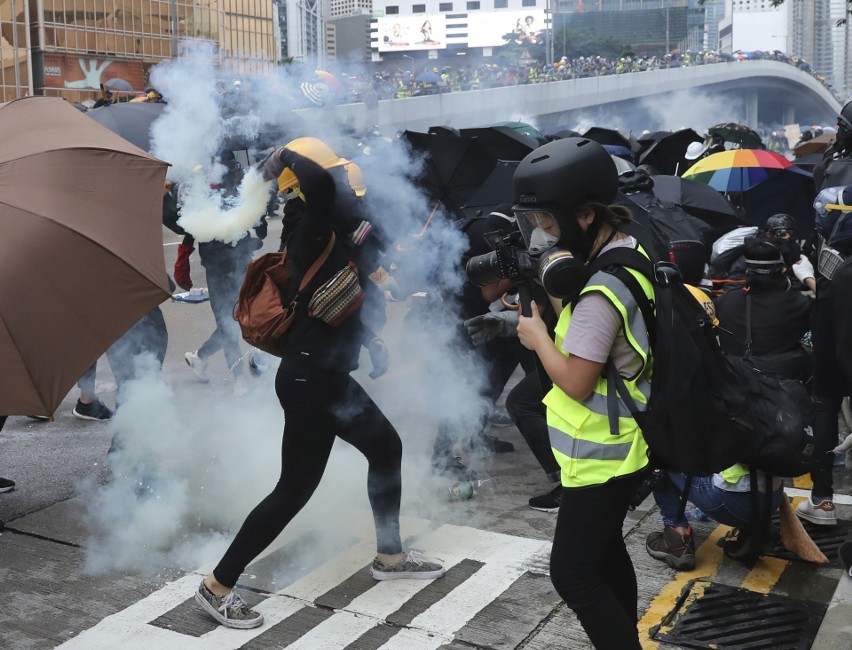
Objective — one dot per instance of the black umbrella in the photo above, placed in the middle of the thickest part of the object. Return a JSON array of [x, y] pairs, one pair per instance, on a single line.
[[502, 142], [444, 130], [563, 133], [609, 136], [791, 194], [667, 153], [131, 120], [496, 189], [737, 133], [698, 199], [117, 83], [454, 167], [669, 222]]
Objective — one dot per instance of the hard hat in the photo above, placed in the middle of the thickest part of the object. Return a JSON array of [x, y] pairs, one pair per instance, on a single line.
[[322, 154], [695, 150]]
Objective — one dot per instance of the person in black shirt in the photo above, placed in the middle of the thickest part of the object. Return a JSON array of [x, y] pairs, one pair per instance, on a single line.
[[780, 317], [321, 401]]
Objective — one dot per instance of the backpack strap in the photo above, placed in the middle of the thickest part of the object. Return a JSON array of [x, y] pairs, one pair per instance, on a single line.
[[318, 262]]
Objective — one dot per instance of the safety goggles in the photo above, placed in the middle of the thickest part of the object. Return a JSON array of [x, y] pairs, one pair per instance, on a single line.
[[782, 233], [536, 218]]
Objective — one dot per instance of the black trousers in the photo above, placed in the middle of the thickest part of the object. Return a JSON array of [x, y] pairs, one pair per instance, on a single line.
[[530, 416], [828, 387], [319, 406], [589, 564], [499, 358]]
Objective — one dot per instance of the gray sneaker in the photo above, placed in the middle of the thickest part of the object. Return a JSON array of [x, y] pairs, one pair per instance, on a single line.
[[413, 566], [230, 611]]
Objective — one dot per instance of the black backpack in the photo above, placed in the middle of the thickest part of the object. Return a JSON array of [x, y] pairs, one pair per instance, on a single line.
[[706, 411]]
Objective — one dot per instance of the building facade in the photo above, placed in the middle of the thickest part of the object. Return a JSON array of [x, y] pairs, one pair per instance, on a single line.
[[70, 47]]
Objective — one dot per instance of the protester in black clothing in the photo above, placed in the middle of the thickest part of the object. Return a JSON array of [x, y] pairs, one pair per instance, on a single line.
[[225, 266], [496, 358], [832, 345], [835, 168], [780, 316], [321, 401]]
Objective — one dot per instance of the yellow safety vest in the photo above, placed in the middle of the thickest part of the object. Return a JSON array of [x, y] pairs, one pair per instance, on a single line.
[[580, 438]]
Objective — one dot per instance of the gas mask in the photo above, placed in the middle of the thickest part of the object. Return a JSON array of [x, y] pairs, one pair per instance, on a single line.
[[559, 271]]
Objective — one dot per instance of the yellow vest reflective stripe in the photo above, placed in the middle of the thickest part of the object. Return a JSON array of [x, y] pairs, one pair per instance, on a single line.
[[580, 438]]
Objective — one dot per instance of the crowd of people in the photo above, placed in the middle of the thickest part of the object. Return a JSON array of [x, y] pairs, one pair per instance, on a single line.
[[581, 331], [399, 82]]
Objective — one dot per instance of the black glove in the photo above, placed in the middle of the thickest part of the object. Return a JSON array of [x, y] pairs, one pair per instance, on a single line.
[[271, 167], [491, 325], [379, 356]]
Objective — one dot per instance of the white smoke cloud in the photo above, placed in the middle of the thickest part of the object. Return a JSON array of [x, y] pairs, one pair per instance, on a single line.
[[192, 461]]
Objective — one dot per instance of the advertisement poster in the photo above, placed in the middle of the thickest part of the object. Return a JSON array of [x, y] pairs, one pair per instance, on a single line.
[[490, 27], [421, 32]]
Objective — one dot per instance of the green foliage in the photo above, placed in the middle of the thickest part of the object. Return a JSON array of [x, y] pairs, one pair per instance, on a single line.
[[574, 43]]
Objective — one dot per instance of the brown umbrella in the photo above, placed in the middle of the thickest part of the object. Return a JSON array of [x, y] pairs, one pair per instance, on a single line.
[[815, 145], [81, 249]]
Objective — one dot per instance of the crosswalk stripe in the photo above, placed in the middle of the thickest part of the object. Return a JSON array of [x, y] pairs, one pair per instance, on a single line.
[[481, 566]]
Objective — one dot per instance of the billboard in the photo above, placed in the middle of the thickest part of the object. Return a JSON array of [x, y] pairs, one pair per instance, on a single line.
[[489, 27], [422, 32]]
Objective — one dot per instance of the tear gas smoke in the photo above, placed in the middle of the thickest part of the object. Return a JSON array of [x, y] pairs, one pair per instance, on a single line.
[[192, 461]]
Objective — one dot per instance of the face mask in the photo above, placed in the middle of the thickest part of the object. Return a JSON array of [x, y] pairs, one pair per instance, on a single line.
[[540, 241]]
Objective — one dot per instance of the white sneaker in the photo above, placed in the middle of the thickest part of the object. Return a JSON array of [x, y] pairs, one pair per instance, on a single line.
[[822, 513], [198, 365]]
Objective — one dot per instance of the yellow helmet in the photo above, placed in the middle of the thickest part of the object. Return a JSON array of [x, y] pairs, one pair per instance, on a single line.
[[322, 154]]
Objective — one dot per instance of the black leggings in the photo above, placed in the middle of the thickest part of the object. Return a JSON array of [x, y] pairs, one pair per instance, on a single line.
[[590, 566], [317, 407]]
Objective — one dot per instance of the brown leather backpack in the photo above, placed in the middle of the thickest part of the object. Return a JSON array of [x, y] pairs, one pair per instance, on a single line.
[[262, 309]]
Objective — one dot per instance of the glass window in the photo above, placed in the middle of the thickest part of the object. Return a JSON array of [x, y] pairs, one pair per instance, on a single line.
[[528, 3], [501, 4], [418, 9], [445, 6], [391, 10], [473, 5]]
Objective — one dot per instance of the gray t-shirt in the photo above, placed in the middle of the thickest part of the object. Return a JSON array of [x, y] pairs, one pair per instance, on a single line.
[[596, 332]]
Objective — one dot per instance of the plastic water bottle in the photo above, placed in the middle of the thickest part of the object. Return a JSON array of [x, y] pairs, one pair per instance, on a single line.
[[693, 513], [462, 491], [469, 489]]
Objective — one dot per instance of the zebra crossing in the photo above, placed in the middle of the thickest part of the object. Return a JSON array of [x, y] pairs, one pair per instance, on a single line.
[[336, 604]]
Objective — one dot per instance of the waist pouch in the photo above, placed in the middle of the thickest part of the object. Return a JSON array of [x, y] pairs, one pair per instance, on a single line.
[[337, 298]]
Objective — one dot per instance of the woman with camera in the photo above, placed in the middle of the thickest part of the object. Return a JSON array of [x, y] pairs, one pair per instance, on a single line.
[[564, 193]]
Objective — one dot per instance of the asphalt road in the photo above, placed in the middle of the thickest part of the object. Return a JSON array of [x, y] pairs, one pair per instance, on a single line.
[[98, 557]]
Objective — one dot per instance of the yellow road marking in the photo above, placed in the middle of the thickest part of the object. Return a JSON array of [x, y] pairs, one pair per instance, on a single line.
[[708, 557], [765, 574]]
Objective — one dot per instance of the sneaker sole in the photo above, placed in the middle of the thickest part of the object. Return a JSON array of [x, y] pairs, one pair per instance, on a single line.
[[80, 416], [227, 622], [545, 509], [406, 575], [680, 564], [824, 521], [7, 489]]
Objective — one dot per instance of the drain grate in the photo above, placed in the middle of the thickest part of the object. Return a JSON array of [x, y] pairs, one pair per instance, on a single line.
[[827, 538], [713, 615]]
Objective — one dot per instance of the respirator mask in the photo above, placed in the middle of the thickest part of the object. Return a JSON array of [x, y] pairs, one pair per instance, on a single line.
[[559, 271]]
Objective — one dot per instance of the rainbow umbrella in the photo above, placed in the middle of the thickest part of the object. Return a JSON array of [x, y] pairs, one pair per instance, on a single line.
[[738, 170]]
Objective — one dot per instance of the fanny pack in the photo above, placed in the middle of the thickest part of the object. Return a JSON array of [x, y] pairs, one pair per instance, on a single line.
[[337, 298]]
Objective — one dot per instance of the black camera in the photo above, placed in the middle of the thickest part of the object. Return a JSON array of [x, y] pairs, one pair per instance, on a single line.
[[508, 261]]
